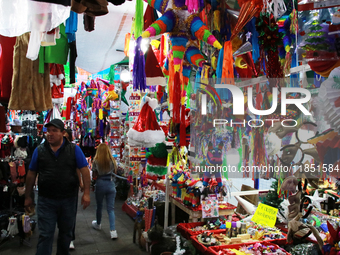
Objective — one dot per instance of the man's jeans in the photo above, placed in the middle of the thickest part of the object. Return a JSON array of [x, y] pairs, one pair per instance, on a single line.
[[106, 187], [50, 213]]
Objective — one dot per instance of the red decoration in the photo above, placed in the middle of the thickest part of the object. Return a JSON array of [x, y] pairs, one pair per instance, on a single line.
[[249, 9], [146, 120], [177, 98], [269, 40], [182, 132]]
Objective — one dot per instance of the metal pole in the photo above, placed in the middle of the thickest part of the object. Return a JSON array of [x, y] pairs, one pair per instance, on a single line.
[[167, 200]]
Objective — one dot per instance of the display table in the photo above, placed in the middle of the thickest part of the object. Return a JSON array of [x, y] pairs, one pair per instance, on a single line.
[[131, 210], [194, 215]]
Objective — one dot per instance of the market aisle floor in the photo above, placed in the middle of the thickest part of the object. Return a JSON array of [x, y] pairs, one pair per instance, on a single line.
[[88, 240]]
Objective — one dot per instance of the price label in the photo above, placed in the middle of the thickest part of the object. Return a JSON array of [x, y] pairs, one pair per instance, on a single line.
[[135, 158], [265, 215], [134, 97]]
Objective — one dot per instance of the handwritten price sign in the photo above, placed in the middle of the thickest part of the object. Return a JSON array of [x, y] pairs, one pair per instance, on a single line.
[[265, 215]]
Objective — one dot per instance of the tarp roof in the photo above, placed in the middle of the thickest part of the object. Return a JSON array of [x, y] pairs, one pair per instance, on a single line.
[[97, 50]]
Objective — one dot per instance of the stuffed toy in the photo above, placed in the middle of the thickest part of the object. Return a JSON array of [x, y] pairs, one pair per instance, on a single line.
[[214, 158], [20, 144]]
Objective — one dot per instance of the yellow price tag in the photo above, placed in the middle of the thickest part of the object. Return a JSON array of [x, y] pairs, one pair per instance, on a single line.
[[265, 215], [101, 116]]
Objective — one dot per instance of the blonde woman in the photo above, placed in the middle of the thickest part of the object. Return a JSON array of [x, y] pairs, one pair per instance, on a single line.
[[103, 166]]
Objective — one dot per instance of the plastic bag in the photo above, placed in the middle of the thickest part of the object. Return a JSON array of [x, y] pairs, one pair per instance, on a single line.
[[13, 226]]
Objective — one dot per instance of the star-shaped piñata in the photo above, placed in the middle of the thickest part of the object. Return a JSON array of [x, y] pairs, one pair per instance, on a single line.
[[316, 200], [183, 28]]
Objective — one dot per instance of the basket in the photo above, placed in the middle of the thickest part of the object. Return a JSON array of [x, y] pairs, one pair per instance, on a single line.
[[200, 247], [213, 250], [185, 229]]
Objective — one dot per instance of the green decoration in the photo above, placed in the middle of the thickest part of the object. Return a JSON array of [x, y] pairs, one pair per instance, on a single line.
[[316, 38], [159, 151], [269, 36], [240, 150], [157, 157], [156, 115], [272, 198], [123, 97], [159, 170], [188, 90], [139, 20], [67, 75], [224, 164], [127, 116]]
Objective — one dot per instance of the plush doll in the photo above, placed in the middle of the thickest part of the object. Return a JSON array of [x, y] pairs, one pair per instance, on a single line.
[[20, 144], [214, 158]]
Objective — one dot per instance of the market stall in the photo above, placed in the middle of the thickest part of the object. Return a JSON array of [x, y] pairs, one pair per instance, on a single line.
[[222, 116]]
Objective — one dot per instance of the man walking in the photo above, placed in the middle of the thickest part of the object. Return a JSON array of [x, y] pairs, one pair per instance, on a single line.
[[56, 161]]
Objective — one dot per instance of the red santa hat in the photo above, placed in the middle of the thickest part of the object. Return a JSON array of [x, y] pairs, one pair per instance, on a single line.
[[146, 132], [153, 71]]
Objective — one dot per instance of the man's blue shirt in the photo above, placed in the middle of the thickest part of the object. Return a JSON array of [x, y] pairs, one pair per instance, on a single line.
[[80, 157]]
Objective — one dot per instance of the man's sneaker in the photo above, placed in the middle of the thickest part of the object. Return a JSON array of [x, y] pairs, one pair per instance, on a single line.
[[71, 245], [114, 234], [96, 226]]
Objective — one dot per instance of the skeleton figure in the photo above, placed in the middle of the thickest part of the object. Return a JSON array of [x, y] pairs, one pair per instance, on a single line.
[[299, 230], [290, 184], [289, 151], [294, 205]]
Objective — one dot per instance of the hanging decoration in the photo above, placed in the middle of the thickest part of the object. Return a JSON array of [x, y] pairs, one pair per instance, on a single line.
[[146, 132], [139, 76], [249, 9], [138, 21], [182, 27], [157, 161], [269, 40]]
